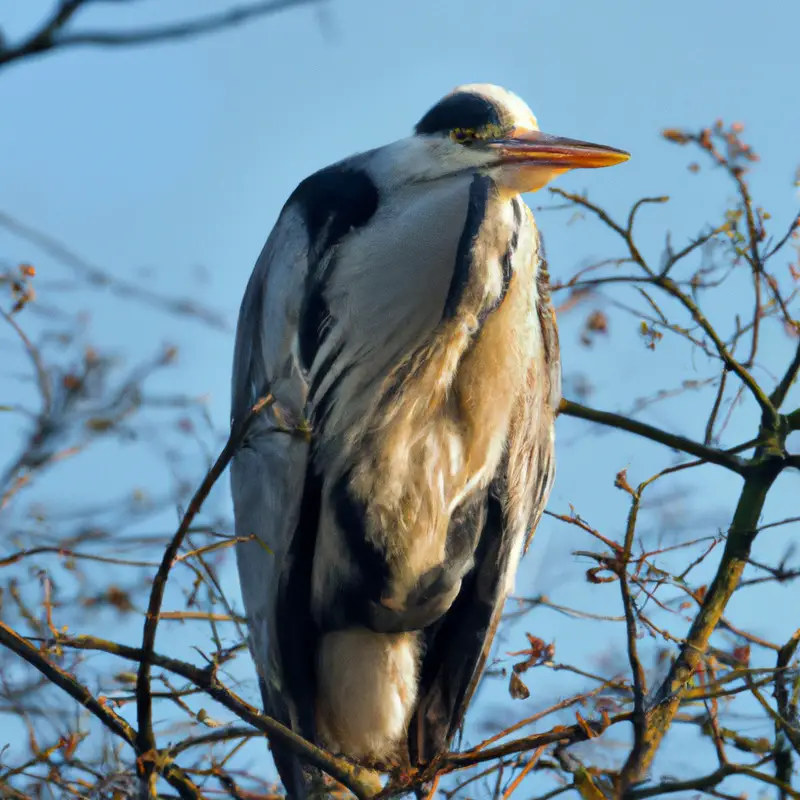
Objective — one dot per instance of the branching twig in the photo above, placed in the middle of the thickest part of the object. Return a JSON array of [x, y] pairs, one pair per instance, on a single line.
[[116, 724], [631, 767], [734, 559], [146, 737], [786, 722], [353, 777]]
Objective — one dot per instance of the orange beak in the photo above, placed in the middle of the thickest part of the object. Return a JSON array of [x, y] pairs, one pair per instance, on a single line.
[[542, 149], [530, 158]]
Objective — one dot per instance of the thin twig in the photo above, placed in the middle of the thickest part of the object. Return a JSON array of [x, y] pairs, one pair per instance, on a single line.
[[144, 707], [631, 767], [53, 37]]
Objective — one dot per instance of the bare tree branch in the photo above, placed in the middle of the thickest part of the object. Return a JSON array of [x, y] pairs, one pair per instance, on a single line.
[[54, 35], [118, 726], [706, 454]]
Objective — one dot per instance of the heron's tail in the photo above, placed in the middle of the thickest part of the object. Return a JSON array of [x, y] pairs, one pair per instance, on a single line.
[[366, 692]]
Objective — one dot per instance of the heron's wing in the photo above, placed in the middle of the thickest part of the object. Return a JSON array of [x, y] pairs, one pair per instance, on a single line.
[[319, 327], [458, 646], [544, 463], [268, 481]]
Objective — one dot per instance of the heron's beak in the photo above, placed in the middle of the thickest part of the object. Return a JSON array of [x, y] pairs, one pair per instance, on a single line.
[[529, 159]]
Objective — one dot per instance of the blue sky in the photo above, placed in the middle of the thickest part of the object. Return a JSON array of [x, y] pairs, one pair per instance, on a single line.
[[173, 157]]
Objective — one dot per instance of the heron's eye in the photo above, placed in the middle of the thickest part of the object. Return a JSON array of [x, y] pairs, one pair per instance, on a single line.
[[464, 136]]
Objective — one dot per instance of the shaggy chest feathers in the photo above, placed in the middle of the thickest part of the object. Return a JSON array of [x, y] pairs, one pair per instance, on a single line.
[[437, 427]]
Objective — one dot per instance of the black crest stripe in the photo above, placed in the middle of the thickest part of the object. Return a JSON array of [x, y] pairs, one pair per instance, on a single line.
[[460, 110]]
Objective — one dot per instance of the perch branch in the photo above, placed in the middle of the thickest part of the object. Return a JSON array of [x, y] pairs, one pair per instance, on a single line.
[[709, 454]]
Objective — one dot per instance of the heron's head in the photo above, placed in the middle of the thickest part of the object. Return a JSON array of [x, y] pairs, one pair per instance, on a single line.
[[485, 128]]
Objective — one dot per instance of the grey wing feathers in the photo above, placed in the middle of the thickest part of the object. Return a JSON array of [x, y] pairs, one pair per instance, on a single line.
[[265, 352], [548, 376], [268, 472]]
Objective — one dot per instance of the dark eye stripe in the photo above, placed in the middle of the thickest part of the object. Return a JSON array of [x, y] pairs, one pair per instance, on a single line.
[[460, 110]]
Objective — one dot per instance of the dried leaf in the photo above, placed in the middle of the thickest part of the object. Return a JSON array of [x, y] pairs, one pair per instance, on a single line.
[[597, 322], [742, 654], [621, 481], [675, 135], [517, 689], [538, 652]]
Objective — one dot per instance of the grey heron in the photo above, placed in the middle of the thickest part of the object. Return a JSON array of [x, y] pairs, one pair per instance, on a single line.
[[401, 305]]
